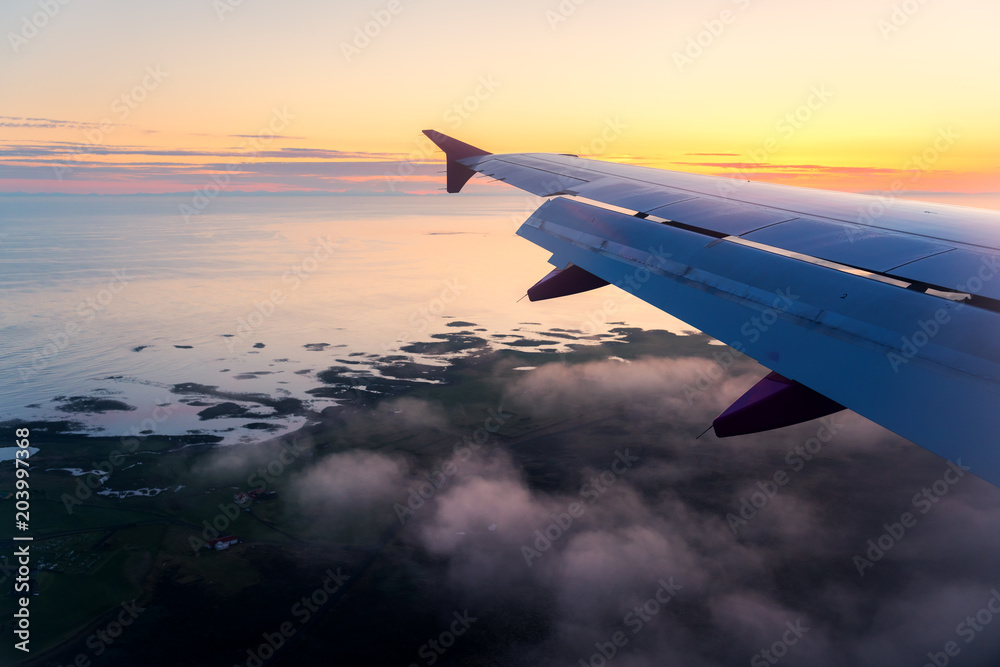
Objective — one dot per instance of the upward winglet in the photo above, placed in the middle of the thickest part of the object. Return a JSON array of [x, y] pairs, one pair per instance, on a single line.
[[454, 150]]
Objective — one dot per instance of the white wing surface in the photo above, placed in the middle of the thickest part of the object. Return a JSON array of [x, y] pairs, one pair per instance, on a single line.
[[888, 307]]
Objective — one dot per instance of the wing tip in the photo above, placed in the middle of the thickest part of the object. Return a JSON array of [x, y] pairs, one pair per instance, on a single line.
[[454, 150], [452, 147]]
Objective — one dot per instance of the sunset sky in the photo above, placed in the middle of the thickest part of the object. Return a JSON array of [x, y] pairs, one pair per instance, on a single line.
[[110, 96]]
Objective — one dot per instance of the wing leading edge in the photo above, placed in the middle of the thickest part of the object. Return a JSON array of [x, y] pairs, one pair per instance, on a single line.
[[895, 318]]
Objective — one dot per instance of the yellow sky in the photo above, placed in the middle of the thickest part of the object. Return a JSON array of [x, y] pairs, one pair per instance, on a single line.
[[830, 94]]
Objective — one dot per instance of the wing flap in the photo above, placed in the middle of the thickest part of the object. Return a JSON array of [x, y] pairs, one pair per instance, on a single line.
[[852, 245], [722, 216], [871, 351], [969, 271], [634, 196]]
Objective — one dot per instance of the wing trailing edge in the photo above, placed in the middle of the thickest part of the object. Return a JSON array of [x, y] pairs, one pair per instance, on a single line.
[[896, 318]]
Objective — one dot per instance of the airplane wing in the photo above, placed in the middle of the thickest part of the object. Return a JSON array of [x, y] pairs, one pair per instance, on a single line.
[[890, 308]]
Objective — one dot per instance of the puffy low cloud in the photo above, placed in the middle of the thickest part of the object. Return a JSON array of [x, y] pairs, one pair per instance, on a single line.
[[596, 514], [595, 544], [238, 465], [411, 413], [350, 483]]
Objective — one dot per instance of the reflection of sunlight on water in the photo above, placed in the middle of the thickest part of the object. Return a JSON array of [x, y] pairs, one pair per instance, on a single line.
[[252, 281], [247, 285]]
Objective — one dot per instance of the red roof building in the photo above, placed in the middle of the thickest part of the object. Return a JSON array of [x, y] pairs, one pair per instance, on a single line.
[[221, 543]]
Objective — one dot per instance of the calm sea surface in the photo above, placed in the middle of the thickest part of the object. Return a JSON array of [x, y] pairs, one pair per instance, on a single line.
[[121, 297]]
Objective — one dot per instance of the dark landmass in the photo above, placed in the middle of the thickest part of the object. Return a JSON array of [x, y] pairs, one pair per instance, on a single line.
[[335, 375], [450, 344], [527, 342], [399, 583], [412, 371], [556, 334], [262, 426], [281, 406], [225, 410], [252, 375], [93, 405]]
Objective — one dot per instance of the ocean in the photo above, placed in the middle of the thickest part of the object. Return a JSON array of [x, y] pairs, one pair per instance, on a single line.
[[111, 300]]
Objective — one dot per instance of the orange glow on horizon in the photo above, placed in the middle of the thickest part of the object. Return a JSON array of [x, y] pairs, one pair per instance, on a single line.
[[122, 104]]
